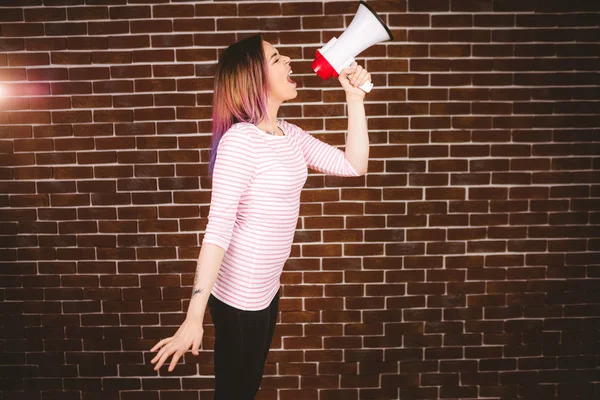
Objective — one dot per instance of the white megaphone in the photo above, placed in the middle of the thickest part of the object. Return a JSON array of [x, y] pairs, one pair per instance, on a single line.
[[365, 30]]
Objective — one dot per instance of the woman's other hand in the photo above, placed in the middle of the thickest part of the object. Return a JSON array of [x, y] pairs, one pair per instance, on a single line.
[[353, 77], [188, 335]]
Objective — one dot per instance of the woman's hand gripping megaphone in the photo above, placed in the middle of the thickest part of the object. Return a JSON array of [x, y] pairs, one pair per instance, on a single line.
[[355, 80], [366, 29]]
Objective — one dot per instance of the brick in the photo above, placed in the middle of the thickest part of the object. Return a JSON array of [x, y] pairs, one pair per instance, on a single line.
[[132, 101], [195, 55], [28, 59], [171, 11], [71, 58], [50, 74], [130, 71], [429, 5], [172, 40], [320, 22], [45, 44], [195, 25], [488, 193], [215, 9], [259, 9], [65, 29], [41, 103], [130, 12], [116, 86], [113, 116], [44, 14], [87, 13], [222, 39], [125, 42], [85, 73], [151, 26], [108, 27], [472, 5], [23, 29], [109, 57], [11, 15]]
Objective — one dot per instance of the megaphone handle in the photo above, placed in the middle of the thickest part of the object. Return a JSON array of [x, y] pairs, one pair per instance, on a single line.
[[366, 87]]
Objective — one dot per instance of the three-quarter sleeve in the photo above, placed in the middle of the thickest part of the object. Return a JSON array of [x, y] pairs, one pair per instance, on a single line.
[[322, 156], [234, 168]]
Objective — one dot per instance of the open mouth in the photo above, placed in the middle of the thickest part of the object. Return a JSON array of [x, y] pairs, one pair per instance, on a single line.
[[289, 79]]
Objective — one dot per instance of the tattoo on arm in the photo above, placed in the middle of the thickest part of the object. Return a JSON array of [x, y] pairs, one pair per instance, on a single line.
[[196, 291]]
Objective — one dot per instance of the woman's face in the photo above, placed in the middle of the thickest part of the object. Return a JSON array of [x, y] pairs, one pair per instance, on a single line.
[[282, 87]]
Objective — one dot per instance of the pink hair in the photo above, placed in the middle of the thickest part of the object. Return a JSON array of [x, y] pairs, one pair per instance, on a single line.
[[240, 89]]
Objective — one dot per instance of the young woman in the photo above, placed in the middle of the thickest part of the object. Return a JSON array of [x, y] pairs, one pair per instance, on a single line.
[[259, 166]]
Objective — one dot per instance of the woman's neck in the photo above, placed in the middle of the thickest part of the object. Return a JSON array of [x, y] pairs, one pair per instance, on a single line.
[[269, 123]]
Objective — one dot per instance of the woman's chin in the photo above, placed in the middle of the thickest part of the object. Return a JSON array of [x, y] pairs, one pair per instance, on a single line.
[[292, 95], [286, 94]]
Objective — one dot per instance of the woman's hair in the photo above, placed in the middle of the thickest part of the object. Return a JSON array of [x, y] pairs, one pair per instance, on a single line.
[[240, 89]]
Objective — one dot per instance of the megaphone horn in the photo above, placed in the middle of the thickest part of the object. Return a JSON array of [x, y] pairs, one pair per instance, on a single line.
[[366, 29]]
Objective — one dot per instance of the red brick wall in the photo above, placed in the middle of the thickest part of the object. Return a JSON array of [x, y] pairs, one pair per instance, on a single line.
[[464, 265]]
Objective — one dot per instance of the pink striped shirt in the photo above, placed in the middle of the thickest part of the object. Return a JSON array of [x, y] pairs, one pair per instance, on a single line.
[[255, 201]]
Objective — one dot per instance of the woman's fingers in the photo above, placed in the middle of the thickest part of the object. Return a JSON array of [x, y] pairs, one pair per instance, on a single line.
[[188, 335], [167, 352], [363, 77], [159, 355], [174, 360], [160, 344], [196, 346], [348, 71], [356, 75]]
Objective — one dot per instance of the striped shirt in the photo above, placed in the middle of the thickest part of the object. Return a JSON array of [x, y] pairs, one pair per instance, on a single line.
[[255, 201]]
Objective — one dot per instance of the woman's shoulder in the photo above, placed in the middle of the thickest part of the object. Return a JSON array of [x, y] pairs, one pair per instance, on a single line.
[[241, 129], [238, 135], [290, 128]]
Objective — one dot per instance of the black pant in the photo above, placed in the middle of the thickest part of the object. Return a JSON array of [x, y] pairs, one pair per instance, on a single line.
[[242, 341]]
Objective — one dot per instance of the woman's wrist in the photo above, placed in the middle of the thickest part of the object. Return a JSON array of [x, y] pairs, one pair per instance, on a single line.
[[355, 99], [197, 307]]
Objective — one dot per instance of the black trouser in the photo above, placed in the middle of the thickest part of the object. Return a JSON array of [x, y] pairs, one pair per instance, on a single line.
[[242, 341]]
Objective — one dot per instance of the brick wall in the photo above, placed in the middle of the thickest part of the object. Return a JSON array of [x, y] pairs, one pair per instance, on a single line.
[[464, 265]]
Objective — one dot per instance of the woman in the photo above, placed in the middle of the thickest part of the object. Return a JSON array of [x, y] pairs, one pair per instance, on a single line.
[[259, 166]]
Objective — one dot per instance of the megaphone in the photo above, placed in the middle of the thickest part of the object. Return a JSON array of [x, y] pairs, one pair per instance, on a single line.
[[366, 29]]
